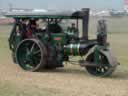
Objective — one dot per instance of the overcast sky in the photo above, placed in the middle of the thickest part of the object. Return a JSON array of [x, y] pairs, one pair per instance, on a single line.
[[63, 4]]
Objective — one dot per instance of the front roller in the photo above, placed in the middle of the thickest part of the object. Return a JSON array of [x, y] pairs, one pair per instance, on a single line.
[[105, 61], [31, 55]]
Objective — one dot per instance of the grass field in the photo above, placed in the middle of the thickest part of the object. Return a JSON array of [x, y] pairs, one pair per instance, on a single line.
[[71, 80]]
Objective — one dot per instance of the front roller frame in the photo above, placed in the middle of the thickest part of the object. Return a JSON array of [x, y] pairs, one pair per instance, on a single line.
[[104, 59], [31, 55]]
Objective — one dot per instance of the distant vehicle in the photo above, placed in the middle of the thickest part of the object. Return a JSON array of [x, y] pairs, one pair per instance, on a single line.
[[117, 13], [103, 13]]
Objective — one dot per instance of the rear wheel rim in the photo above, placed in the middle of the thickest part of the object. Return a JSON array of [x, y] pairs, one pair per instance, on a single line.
[[29, 55]]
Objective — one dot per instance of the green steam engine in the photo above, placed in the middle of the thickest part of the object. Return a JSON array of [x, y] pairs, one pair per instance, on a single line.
[[57, 37]]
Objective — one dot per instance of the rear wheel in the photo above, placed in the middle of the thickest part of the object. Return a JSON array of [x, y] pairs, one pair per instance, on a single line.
[[104, 67], [31, 55]]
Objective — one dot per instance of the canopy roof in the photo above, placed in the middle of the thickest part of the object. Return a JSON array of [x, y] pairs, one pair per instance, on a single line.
[[49, 14]]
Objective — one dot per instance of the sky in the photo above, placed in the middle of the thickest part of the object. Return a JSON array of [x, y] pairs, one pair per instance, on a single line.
[[62, 4]]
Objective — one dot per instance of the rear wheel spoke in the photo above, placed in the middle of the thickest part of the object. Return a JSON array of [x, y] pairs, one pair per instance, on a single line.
[[32, 48], [37, 52]]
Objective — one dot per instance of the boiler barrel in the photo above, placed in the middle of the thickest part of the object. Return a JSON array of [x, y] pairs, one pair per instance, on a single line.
[[76, 49]]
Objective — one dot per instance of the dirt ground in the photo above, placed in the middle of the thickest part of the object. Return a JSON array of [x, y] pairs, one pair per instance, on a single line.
[[69, 81]]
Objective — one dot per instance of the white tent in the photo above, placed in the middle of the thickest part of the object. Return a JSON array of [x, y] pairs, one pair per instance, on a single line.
[[39, 10]]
